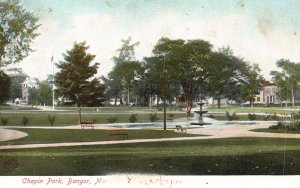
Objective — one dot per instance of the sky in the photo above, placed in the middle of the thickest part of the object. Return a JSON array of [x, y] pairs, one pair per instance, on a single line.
[[260, 31]]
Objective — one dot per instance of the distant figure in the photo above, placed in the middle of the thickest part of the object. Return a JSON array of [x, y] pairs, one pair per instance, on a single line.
[[97, 109]]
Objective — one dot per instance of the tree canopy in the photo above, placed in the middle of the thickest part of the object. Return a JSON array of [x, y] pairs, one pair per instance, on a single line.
[[126, 67], [4, 87], [186, 62], [75, 80], [18, 28], [287, 79]]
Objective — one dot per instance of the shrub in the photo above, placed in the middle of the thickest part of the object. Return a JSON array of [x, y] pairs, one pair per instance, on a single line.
[[111, 119], [292, 128], [274, 127], [234, 116], [94, 120], [211, 116], [279, 125], [272, 117], [171, 115], [4, 121], [153, 117], [252, 117], [133, 118], [25, 120], [51, 119], [228, 116]]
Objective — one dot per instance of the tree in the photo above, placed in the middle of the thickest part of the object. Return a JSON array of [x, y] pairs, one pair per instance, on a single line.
[[33, 93], [251, 83], [227, 81], [17, 31], [218, 84], [74, 81], [112, 89], [188, 63], [45, 93], [4, 87], [126, 67], [288, 79], [17, 77]]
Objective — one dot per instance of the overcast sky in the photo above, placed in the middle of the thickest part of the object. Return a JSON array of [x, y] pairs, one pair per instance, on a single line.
[[261, 31]]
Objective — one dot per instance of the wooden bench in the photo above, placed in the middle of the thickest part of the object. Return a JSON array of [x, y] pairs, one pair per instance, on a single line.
[[180, 128], [115, 132], [87, 124]]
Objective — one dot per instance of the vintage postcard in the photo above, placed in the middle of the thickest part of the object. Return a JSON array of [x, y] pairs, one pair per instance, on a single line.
[[156, 93]]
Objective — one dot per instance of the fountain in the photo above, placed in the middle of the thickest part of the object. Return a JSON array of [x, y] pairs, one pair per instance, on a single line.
[[200, 113]]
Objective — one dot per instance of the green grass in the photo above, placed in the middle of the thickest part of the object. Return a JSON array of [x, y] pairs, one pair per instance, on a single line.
[[231, 156], [277, 131], [255, 110], [40, 118], [240, 118], [42, 136]]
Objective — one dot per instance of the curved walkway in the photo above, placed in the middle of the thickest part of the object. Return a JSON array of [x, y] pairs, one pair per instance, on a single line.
[[213, 132], [7, 134]]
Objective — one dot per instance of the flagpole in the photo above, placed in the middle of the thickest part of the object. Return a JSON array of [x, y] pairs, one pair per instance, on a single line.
[[53, 101]]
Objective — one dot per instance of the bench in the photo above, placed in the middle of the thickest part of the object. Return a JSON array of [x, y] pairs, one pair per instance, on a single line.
[[86, 124], [180, 128], [115, 132]]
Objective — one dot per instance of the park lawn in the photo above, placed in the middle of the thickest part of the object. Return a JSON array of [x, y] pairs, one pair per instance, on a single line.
[[269, 110], [43, 136], [277, 131], [240, 118], [230, 156], [40, 118]]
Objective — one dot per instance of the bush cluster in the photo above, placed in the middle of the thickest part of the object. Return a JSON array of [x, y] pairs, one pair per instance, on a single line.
[[133, 118], [271, 117], [252, 116], [111, 119], [153, 117], [4, 121], [51, 119], [25, 120], [231, 117]]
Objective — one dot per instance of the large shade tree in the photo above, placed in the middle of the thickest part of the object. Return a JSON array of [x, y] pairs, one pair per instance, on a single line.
[[186, 62], [75, 81], [287, 79], [18, 28], [17, 77], [126, 67], [251, 83]]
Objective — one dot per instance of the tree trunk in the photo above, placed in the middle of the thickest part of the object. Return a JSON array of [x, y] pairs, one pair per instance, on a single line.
[[293, 98], [219, 103], [128, 95], [79, 114], [116, 99], [189, 105], [121, 101], [150, 101]]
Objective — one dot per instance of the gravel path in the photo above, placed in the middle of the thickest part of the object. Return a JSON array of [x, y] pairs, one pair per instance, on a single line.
[[6, 134], [213, 132]]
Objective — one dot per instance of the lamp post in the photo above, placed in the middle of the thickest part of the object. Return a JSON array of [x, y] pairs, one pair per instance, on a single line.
[[164, 91]]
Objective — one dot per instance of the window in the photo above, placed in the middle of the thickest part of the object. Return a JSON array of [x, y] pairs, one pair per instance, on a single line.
[[258, 99]]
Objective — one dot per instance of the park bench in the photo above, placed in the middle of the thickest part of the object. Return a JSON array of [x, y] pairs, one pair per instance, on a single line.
[[180, 128], [86, 124], [115, 132]]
